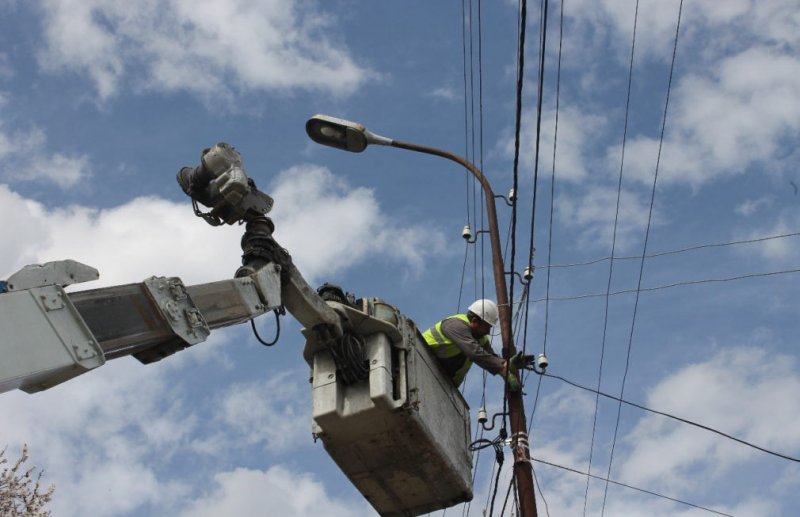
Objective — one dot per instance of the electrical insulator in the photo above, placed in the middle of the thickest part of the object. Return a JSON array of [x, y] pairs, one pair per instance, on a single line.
[[528, 274], [466, 233], [512, 195], [482, 416], [542, 362]]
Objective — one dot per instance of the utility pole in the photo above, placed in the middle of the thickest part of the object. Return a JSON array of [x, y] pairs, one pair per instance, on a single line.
[[516, 409], [354, 137]]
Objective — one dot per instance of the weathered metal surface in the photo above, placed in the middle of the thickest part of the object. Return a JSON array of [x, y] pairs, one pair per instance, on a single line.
[[177, 307], [124, 319], [61, 272], [134, 320], [44, 340], [306, 305], [402, 436]]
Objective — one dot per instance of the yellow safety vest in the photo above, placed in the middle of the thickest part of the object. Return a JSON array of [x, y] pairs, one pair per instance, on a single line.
[[450, 356]]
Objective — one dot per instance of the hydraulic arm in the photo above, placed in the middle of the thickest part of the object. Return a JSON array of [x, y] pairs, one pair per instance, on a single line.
[[48, 336]]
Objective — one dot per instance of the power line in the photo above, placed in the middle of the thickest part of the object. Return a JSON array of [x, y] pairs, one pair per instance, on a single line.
[[679, 419], [644, 249], [541, 493], [480, 143], [671, 252], [649, 492], [466, 120], [523, 12], [669, 286], [539, 103], [611, 266], [553, 179]]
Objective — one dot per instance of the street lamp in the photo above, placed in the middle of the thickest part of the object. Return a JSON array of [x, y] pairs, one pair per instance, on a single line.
[[354, 137]]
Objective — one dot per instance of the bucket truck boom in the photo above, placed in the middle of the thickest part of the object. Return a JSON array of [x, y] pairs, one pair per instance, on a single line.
[[381, 404]]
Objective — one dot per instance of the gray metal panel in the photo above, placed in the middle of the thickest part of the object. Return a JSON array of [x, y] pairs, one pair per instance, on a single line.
[[134, 319], [44, 340], [124, 319], [402, 437]]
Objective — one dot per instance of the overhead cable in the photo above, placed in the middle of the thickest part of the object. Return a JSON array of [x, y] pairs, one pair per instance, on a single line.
[[644, 250], [611, 270], [553, 179], [463, 273], [540, 95], [673, 417], [671, 252], [669, 286], [480, 144], [649, 492], [466, 94], [523, 14]]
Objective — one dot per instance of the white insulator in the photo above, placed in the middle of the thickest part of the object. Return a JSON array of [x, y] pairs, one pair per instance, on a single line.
[[542, 362], [528, 273], [466, 233]]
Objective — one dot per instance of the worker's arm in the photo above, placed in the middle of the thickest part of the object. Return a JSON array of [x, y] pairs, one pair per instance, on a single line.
[[458, 331]]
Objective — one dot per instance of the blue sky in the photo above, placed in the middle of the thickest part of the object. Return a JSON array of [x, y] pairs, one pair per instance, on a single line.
[[101, 102]]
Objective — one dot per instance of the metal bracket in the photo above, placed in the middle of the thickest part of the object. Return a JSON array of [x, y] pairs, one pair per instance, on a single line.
[[52, 301], [268, 284], [61, 272], [178, 309], [520, 446]]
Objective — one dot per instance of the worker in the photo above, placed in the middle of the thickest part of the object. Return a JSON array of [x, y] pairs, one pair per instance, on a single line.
[[463, 339]]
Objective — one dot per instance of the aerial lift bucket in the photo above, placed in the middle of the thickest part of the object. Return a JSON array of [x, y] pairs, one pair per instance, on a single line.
[[402, 435]]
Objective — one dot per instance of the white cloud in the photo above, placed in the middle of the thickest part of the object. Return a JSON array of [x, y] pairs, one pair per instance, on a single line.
[[608, 25], [780, 252], [577, 131], [734, 104], [735, 24], [276, 491], [25, 157], [742, 391], [446, 93], [724, 123], [592, 212], [102, 431], [326, 225], [274, 413], [750, 206], [64, 171], [144, 237], [193, 46]]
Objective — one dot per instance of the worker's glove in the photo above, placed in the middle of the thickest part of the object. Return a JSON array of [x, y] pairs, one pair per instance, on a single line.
[[522, 361], [512, 382]]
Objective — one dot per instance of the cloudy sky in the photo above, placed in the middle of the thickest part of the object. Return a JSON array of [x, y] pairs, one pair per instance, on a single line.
[[101, 102]]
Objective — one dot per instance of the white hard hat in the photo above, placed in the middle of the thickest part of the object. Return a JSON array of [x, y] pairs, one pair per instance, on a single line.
[[485, 310]]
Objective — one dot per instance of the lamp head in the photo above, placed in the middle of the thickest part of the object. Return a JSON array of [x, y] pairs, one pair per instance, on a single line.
[[336, 132], [342, 134]]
